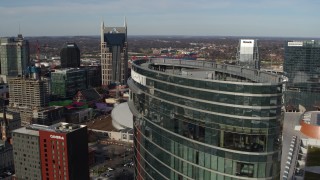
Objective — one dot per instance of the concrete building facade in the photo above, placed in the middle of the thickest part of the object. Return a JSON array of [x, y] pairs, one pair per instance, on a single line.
[[26, 153]]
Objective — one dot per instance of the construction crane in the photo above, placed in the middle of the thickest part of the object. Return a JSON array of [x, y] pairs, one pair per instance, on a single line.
[[37, 60], [37, 49]]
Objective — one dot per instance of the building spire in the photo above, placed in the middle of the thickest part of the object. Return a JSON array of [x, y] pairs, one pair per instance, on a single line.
[[125, 22], [102, 31]]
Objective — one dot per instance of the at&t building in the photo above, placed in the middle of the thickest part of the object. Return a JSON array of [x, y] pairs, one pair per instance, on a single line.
[[201, 120]]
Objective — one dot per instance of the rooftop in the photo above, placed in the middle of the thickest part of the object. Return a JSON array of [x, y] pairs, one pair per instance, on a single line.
[[61, 127], [67, 70], [25, 130], [195, 69]]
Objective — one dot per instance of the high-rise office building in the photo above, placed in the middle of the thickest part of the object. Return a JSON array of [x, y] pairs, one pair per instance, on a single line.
[[201, 120], [59, 151], [70, 56], [14, 56], [65, 83], [302, 68], [248, 54], [114, 55]]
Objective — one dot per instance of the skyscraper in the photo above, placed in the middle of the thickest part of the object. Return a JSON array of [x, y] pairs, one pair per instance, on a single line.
[[302, 68], [114, 55], [248, 55], [201, 120], [70, 56], [59, 151], [14, 56]]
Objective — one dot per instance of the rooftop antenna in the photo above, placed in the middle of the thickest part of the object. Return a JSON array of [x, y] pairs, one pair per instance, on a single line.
[[102, 31], [19, 29], [125, 21]]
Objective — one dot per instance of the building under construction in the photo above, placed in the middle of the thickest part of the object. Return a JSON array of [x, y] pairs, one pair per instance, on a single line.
[[27, 92], [29, 96], [45, 116]]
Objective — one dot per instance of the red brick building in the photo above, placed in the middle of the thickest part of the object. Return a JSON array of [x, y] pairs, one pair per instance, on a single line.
[[64, 152]]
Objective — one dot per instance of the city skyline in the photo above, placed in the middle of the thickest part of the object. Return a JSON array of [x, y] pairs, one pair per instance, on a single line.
[[222, 18]]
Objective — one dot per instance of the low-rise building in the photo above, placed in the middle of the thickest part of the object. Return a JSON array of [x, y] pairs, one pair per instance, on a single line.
[[59, 151]]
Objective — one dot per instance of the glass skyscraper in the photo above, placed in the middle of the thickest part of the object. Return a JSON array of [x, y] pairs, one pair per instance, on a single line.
[[302, 68], [201, 120], [14, 56]]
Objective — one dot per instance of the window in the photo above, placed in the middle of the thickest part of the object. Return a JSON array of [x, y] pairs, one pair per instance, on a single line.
[[244, 169]]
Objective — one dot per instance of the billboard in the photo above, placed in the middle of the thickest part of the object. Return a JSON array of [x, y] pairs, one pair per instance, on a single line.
[[295, 43], [138, 77]]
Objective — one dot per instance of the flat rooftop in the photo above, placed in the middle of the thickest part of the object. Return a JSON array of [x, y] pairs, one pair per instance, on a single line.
[[209, 70], [24, 130], [61, 127]]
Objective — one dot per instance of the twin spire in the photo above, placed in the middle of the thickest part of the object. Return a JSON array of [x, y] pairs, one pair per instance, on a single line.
[[124, 24], [103, 28]]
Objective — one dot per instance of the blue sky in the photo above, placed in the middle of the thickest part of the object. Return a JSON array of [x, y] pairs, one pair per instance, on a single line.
[[284, 18]]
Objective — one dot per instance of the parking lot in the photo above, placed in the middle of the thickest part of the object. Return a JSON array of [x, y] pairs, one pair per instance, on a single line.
[[113, 161]]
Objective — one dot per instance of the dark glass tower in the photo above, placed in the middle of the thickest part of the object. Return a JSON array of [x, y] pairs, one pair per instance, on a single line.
[[70, 56], [201, 120], [302, 68]]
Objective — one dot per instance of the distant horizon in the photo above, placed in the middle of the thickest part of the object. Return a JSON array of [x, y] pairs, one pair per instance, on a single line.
[[168, 36], [246, 18]]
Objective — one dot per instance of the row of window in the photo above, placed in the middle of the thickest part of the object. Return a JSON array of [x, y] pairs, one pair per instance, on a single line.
[[229, 110], [217, 97], [156, 109], [194, 163], [192, 135]]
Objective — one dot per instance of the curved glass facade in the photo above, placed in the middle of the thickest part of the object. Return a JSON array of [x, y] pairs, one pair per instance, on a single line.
[[189, 123]]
